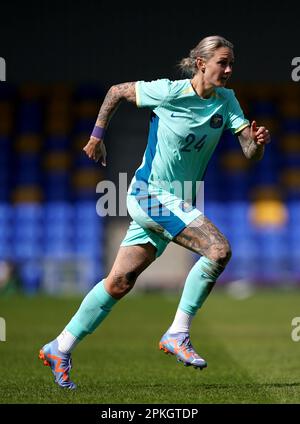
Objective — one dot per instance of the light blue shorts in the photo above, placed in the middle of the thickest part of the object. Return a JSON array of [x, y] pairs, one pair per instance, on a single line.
[[157, 218]]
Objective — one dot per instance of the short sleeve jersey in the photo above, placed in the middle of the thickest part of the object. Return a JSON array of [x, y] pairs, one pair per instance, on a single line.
[[184, 129]]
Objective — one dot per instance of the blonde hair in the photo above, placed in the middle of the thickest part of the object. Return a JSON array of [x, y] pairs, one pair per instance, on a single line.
[[205, 49]]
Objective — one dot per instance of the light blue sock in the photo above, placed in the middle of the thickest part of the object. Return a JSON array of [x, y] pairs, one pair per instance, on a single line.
[[199, 284], [94, 308]]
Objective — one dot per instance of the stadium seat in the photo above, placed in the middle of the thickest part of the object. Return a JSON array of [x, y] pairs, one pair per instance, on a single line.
[[31, 275], [57, 186], [29, 117], [291, 125], [58, 212], [5, 212], [7, 118], [58, 143], [6, 250]]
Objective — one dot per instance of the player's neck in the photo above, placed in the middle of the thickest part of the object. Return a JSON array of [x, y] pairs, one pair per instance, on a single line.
[[200, 88]]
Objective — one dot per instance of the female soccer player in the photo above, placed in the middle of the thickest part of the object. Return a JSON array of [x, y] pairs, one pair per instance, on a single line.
[[188, 118]]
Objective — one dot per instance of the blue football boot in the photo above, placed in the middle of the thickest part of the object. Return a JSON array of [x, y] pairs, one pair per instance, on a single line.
[[180, 345], [60, 364]]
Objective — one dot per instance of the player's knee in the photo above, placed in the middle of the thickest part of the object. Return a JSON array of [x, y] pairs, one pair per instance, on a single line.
[[221, 252], [225, 253], [120, 285]]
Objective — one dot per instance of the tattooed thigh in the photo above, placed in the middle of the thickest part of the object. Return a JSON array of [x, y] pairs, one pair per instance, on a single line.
[[204, 238]]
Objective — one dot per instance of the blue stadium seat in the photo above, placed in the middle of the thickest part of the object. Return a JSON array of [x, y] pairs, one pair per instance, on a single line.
[[31, 273], [58, 212], [81, 160], [4, 191], [291, 125], [28, 232], [8, 91], [26, 249], [25, 213], [60, 230], [27, 228], [294, 213], [89, 249], [57, 187], [6, 230], [273, 254], [84, 125], [216, 212], [264, 108], [56, 193], [88, 230], [5, 212], [27, 176], [85, 210], [29, 117], [58, 143], [6, 250], [5, 144], [58, 248]]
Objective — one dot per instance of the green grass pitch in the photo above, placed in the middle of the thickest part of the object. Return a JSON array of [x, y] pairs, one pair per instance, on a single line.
[[247, 343]]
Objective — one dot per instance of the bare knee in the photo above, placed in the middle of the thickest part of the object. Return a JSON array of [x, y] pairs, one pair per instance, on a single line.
[[130, 262], [118, 285], [220, 252]]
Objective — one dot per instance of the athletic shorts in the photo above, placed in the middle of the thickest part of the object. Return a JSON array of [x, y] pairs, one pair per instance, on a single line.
[[157, 218]]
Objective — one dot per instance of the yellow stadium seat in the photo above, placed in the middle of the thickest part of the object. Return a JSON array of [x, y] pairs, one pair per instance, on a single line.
[[27, 194], [87, 178], [80, 141], [57, 161], [268, 212], [6, 118], [234, 161], [272, 124], [31, 91], [290, 143], [28, 143], [290, 178], [60, 91], [87, 109], [290, 107], [57, 108], [266, 192], [59, 125]]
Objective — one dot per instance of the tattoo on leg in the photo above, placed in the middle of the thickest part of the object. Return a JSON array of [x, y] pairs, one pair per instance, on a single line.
[[202, 237]]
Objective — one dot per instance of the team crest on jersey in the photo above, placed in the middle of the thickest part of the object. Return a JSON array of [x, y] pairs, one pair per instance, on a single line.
[[216, 121], [185, 206]]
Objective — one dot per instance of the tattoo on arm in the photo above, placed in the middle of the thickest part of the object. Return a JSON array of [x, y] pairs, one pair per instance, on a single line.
[[251, 149], [112, 100]]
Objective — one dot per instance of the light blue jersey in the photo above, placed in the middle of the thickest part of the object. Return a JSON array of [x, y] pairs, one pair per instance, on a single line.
[[184, 132]]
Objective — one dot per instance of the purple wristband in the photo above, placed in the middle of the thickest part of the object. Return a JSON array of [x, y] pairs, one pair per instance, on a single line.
[[98, 132]]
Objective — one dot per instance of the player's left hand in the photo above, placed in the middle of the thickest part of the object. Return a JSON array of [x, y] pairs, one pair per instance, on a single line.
[[259, 134]]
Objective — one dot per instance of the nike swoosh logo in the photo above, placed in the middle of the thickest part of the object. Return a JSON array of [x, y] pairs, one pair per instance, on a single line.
[[173, 115]]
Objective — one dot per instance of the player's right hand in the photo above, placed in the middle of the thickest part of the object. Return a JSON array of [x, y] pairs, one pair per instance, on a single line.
[[95, 149]]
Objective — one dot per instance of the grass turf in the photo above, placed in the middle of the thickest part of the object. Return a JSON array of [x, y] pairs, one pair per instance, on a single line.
[[247, 343]]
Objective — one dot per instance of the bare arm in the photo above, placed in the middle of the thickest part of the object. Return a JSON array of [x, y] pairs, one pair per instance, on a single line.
[[253, 140], [95, 148], [112, 100]]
